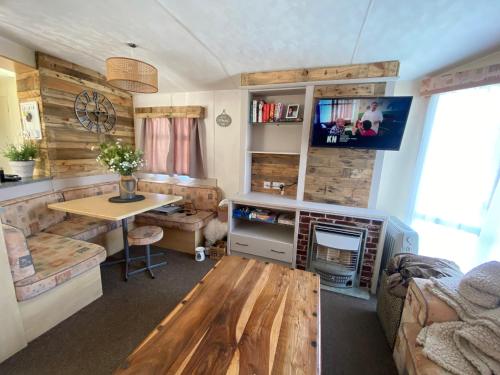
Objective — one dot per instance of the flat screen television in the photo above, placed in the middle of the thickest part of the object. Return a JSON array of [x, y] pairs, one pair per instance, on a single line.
[[371, 123]]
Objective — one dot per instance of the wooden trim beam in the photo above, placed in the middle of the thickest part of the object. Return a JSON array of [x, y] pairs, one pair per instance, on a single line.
[[355, 71], [338, 91], [170, 112]]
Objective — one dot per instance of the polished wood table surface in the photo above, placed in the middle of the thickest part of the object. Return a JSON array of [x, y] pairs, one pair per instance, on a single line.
[[99, 207], [244, 317]]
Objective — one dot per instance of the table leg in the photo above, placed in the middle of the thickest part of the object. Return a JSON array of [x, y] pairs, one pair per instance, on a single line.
[[125, 246]]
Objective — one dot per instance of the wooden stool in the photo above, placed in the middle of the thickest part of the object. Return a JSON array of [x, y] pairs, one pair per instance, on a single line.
[[145, 236]]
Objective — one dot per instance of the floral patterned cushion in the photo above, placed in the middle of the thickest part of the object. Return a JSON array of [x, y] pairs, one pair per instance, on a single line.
[[81, 227], [31, 214], [57, 259], [178, 220], [21, 263], [204, 198]]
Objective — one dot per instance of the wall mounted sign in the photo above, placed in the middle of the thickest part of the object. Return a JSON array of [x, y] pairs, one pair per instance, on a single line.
[[31, 119], [95, 112], [223, 119]]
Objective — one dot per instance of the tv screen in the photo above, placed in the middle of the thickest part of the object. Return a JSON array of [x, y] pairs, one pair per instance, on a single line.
[[373, 123]]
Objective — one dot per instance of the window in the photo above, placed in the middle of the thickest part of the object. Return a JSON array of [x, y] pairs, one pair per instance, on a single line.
[[457, 208]]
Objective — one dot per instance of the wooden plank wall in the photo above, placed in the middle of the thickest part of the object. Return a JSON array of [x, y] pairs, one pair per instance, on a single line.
[[337, 175], [70, 148], [279, 168]]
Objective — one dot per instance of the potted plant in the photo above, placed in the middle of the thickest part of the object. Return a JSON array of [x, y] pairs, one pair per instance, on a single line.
[[124, 160], [22, 158]]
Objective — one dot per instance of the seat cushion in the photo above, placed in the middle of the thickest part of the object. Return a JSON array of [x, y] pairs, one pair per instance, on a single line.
[[145, 235], [178, 220], [21, 263], [57, 259], [31, 214], [81, 227]]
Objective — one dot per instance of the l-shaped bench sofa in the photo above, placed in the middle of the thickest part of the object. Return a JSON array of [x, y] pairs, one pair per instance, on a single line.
[[54, 256]]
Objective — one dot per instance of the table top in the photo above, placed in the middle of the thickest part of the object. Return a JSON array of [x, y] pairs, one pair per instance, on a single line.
[[99, 207], [244, 316]]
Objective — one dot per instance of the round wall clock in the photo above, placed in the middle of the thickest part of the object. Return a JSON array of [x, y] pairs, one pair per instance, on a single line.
[[95, 112]]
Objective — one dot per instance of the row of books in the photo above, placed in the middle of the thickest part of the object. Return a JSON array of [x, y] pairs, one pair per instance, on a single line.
[[267, 112]]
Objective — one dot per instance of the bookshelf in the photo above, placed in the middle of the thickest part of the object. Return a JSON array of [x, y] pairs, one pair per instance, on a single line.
[[280, 138]]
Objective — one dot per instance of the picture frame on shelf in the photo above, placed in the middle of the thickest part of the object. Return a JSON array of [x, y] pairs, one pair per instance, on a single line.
[[292, 111]]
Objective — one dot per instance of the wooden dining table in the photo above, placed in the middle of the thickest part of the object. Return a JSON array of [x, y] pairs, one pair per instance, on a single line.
[[244, 317], [100, 207]]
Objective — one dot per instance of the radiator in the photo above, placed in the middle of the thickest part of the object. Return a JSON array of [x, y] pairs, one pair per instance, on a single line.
[[399, 238]]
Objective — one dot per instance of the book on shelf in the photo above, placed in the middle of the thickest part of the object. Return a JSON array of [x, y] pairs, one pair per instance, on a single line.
[[254, 110], [262, 112]]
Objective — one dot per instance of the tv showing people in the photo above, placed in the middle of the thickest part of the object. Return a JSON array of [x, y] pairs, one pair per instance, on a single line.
[[373, 123]]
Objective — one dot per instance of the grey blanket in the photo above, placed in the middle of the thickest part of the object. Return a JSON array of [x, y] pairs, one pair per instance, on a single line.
[[403, 267]]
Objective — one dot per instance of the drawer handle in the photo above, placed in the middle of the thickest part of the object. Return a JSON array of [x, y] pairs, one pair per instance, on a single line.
[[241, 244], [276, 251]]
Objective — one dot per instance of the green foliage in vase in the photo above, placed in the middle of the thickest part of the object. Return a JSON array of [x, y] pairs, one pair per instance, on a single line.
[[120, 158], [26, 151]]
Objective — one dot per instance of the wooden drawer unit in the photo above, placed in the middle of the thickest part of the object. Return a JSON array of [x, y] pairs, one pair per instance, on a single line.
[[280, 251]]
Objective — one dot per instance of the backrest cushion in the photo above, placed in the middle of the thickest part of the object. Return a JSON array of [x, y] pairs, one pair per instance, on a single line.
[[203, 197], [90, 191], [31, 214], [155, 187], [21, 263]]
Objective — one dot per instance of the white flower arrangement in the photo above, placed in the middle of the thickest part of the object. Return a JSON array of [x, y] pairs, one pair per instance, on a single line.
[[120, 158]]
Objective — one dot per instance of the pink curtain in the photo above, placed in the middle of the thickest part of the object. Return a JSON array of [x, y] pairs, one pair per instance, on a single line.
[[156, 144], [174, 146]]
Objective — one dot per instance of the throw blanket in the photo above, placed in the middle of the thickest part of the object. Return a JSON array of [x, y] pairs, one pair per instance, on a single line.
[[403, 267], [472, 345]]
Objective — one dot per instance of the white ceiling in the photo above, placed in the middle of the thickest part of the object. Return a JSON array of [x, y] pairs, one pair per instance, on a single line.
[[202, 45]]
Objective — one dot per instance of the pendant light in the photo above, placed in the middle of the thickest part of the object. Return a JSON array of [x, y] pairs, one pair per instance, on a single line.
[[130, 74]]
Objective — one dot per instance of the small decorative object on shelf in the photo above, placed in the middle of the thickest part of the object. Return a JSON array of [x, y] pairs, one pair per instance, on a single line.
[[218, 250], [22, 158], [292, 111], [124, 160]]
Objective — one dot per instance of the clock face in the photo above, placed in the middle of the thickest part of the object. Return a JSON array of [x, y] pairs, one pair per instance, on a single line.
[[95, 112]]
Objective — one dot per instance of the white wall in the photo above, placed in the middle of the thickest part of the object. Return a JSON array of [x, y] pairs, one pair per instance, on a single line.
[[10, 118], [222, 148], [16, 52], [398, 169]]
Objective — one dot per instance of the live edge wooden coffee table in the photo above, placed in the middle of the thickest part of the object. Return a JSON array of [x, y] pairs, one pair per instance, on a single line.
[[244, 317]]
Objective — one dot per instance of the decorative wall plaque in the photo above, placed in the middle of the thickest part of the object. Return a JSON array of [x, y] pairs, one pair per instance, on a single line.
[[223, 119]]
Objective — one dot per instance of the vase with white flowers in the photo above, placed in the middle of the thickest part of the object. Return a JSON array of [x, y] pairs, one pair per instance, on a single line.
[[124, 160]]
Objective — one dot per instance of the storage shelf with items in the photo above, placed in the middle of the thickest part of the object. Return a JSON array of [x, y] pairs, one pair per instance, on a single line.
[[263, 233]]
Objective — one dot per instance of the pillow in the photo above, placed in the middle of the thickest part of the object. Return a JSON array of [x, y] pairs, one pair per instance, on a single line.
[[21, 263]]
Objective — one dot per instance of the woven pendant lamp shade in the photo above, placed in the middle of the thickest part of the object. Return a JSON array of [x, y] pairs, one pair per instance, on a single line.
[[131, 75]]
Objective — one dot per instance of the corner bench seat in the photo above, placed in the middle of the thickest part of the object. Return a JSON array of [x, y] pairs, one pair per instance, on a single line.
[[57, 259], [82, 227], [177, 220]]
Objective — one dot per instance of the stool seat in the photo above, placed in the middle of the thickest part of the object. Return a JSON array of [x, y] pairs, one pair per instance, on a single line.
[[145, 235]]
